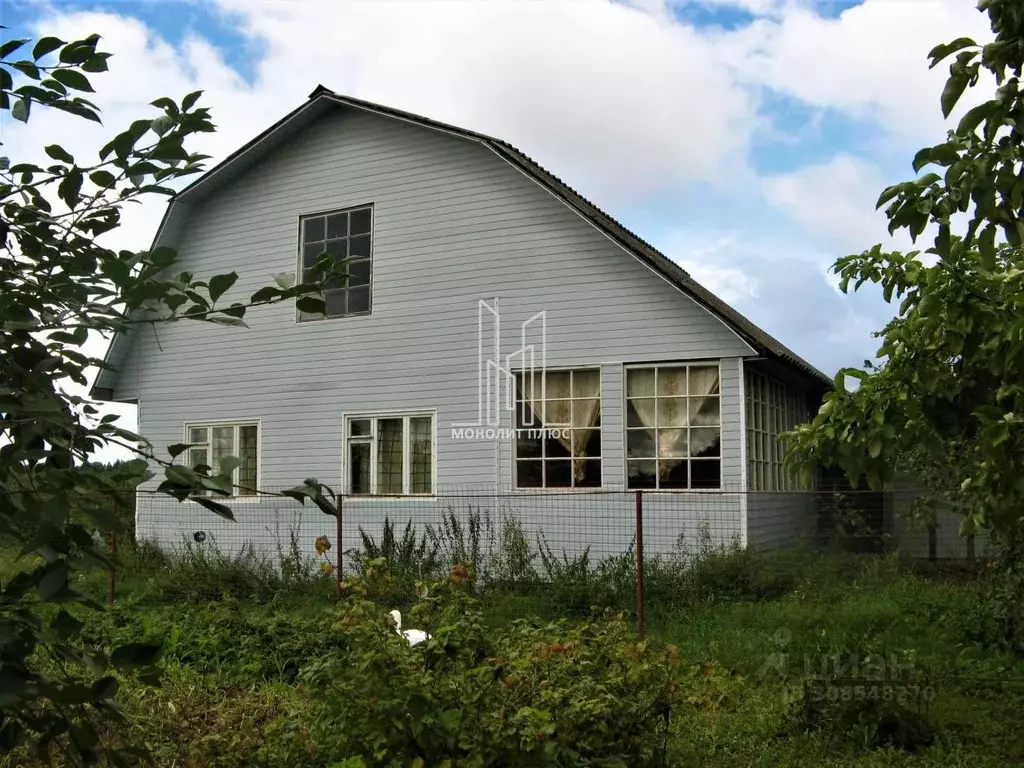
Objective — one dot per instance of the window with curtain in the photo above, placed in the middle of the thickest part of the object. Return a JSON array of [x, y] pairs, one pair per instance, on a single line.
[[390, 455], [772, 409], [674, 427], [346, 236], [209, 443], [558, 429]]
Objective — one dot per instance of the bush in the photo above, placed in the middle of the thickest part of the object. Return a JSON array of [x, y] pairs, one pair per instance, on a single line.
[[558, 694]]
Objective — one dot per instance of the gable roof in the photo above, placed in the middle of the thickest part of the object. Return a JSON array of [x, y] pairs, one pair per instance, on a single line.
[[323, 99]]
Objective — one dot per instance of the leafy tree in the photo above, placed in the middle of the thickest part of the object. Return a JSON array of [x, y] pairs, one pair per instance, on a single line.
[[949, 393], [59, 286]]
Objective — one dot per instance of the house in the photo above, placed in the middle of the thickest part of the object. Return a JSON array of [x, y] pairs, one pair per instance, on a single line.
[[472, 271]]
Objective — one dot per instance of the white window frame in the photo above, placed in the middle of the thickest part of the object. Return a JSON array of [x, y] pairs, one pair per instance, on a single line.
[[772, 407], [721, 425], [373, 246], [236, 424], [406, 416], [515, 437]]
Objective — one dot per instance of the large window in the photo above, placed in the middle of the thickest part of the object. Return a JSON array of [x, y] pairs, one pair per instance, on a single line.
[[558, 429], [772, 408], [346, 236], [674, 427], [209, 443], [390, 455]]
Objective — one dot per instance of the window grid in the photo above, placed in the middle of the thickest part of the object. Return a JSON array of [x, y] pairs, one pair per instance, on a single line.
[[390, 455], [686, 416], [547, 462], [347, 236], [211, 442], [772, 409]]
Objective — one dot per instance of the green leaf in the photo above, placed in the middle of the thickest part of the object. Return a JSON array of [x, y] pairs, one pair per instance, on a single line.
[[102, 178], [189, 101], [229, 464], [284, 279], [58, 152], [133, 656], [214, 506], [177, 449], [973, 117], [311, 304], [951, 93], [20, 110], [45, 46], [54, 581], [219, 284], [235, 322], [939, 52], [162, 125], [105, 688], [72, 78], [10, 47]]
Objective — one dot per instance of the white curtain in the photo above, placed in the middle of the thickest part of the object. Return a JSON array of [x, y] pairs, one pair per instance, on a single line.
[[573, 400], [667, 405]]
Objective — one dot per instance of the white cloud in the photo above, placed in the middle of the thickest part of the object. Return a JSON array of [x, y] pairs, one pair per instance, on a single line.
[[870, 62]]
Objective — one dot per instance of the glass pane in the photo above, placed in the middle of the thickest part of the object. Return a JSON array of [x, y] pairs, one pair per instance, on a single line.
[[640, 382], [672, 443], [672, 412], [247, 453], [558, 385], [586, 442], [359, 427], [389, 455], [360, 221], [529, 474], [359, 247], [197, 457], [526, 418], [557, 474], [527, 446], [587, 473], [335, 301], [310, 253], [671, 381], [641, 413], [358, 272], [197, 435], [673, 474], [586, 384], [557, 412], [705, 442], [586, 413], [639, 444], [704, 380], [642, 474], [705, 411], [358, 300], [312, 229], [556, 447], [337, 225], [359, 467], [222, 443], [421, 441], [338, 249], [706, 474]]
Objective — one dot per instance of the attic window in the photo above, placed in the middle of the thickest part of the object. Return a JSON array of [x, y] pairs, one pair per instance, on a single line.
[[347, 236]]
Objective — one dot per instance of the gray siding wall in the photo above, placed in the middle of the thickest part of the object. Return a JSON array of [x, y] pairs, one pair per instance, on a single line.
[[453, 224]]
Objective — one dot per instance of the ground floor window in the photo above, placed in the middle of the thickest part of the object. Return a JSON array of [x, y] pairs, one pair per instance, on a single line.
[[674, 427], [390, 455], [558, 429], [210, 442], [772, 408]]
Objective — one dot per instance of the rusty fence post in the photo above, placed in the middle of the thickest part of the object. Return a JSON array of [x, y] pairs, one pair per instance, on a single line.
[[112, 592], [640, 565], [338, 505]]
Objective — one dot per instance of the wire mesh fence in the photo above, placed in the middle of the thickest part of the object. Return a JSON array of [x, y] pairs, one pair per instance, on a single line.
[[554, 553]]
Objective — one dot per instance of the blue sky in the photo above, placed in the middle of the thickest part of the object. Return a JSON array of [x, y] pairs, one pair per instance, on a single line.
[[748, 139]]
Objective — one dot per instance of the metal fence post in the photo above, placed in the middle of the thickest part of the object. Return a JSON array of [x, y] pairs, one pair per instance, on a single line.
[[112, 592], [640, 565], [338, 505]]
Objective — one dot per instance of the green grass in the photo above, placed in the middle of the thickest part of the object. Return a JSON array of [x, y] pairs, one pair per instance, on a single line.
[[230, 696]]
